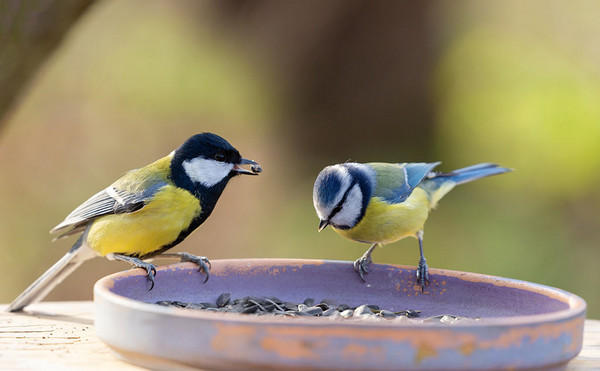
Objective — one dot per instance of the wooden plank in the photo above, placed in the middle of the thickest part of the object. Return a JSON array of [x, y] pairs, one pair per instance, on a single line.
[[589, 357], [60, 335], [54, 335]]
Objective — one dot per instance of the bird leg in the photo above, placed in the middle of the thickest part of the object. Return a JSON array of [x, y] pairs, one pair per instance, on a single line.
[[360, 265], [138, 263], [422, 274], [201, 261]]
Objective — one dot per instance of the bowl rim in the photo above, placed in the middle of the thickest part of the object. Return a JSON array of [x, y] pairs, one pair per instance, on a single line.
[[577, 305]]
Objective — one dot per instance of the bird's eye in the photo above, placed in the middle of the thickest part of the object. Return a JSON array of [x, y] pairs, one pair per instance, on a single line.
[[220, 157]]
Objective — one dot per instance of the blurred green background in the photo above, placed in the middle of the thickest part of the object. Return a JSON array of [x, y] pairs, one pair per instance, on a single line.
[[300, 85]]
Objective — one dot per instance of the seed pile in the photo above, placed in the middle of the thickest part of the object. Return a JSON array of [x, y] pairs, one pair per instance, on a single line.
[[270, 305]]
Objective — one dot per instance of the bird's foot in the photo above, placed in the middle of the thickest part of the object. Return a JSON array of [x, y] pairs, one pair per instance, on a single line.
[[361, 264], [138, 263], [201, 261], [422, 274], [149, 268]]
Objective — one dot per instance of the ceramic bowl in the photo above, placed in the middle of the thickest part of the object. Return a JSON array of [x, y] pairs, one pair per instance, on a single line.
[[522, 324]]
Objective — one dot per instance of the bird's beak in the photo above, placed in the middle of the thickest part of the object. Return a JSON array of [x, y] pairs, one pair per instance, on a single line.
[[254, 167], [323, 224]]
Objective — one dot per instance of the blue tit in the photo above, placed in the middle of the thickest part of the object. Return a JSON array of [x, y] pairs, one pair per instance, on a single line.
[[379, 203], [147, 211]]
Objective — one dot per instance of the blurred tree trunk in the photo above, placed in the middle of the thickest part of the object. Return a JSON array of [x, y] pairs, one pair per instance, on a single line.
[[30, 30], [357, 72]]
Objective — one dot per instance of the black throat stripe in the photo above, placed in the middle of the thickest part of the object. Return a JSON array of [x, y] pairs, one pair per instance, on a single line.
[[338, 207]]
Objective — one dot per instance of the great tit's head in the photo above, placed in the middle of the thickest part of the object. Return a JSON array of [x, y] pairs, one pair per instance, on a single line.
[[208, 160], [342, 193]]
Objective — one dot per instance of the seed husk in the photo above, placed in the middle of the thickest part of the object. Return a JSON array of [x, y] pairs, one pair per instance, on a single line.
[[273, 306]]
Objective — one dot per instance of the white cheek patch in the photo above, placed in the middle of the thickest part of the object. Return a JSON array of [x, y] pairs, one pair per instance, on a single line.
[[348, 215], [207, 172], [324, 210]]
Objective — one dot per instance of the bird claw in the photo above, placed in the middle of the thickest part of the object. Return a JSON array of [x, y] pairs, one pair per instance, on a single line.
[[201, 261], [138, 263], [422, 274], [150, 273], [360, 266]]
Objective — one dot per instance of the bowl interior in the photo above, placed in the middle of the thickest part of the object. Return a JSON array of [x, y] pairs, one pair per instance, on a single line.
[[388, 286]]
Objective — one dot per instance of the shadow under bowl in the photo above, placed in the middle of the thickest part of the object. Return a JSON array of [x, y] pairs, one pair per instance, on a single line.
[[523, 325]]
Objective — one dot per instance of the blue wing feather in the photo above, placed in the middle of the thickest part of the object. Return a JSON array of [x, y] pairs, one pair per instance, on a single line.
[[396, 182], [417, 171]]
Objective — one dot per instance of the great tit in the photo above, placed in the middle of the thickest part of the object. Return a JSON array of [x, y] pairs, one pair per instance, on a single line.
[[380, 203], [147, 211]]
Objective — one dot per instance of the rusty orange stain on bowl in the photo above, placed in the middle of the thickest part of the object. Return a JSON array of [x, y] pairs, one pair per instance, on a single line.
[[438, 338], [296, 348], [225, 332], [468, 348], [545, 331], [357, 351], [425, 351], [287, 341]]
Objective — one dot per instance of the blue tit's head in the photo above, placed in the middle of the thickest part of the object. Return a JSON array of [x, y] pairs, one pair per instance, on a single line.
[[342, 193], [205, 161]]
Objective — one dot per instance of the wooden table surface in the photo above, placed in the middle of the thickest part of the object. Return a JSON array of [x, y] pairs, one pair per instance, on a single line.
[[61, 336]]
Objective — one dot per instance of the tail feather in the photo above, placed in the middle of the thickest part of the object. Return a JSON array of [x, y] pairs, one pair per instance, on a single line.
[[470, 173], [440, 184], [51, 278]]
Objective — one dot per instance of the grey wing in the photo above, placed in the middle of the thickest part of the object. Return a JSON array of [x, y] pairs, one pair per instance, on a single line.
[[108, 201]]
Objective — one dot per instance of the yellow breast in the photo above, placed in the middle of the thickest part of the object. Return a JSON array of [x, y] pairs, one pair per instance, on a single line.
[[142, 232], [385, 223]]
